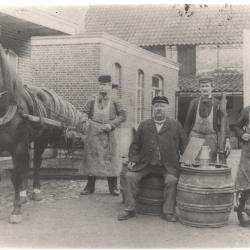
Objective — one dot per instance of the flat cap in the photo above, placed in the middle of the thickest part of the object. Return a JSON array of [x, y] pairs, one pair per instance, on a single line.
[[206, 79], [160, 99], [104, 78]]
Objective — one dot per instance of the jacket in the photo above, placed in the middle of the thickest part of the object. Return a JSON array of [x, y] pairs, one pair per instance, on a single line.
[[242, 123], [172, 141]]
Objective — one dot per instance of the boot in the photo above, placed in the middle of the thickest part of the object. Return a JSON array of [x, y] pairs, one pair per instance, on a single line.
[[90, 187], [112, 181]]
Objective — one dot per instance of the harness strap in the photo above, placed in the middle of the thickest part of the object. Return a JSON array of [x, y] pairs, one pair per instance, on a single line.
[[2, 93], [12, 109]]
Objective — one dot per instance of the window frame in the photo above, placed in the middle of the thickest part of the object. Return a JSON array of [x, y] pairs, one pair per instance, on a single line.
[[140, 86]]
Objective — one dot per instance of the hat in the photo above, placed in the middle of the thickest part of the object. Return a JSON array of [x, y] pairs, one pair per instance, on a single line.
[[206, 79], [104, 78], [160, 99]]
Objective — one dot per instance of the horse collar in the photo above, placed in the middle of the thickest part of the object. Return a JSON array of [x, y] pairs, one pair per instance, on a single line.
[[8, 115]]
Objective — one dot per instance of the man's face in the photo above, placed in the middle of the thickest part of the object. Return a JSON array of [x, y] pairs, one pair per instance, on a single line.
[[105, 88], [160, 111], [206, 89]]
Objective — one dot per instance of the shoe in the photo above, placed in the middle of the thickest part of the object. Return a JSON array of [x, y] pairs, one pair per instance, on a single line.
[[90, 187], [115, 192], [86, 191], [125, 215], [169, 217]]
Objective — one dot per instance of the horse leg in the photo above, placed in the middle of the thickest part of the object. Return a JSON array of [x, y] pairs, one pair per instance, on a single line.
[[38, 151], [20, 157]]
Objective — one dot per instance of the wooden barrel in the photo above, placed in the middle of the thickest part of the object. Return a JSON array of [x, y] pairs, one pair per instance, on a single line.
[[205, 196], [150, 195]]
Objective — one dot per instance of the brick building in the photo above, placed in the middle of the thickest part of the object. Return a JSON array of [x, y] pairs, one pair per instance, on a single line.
[[202, 40], [48, 53], [71, 65]]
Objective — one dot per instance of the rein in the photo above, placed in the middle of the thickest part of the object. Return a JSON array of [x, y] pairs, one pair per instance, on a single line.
[[12, 109], [2, 93]]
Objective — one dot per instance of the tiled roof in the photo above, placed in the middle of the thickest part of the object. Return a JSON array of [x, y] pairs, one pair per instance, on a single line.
[[227, 81], [146, 25]]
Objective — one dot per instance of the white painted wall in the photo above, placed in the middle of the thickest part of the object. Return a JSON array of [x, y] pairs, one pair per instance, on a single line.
[[246, 68]]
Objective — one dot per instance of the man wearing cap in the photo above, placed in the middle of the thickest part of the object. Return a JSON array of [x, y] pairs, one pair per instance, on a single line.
[[100, 157], [155, 149], [204, 118]]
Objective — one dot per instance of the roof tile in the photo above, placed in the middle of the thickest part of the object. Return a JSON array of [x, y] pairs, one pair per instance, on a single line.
[[228, 81], [162, 25]]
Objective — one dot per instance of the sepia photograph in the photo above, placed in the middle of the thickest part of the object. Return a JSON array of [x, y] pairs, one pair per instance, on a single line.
[[124, 125]]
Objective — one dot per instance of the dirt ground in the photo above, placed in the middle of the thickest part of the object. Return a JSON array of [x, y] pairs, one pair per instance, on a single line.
[[64, 219]]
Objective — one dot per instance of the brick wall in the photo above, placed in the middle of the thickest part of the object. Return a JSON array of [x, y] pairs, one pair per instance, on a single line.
[[212, 57], [157, 49], [69, 69]]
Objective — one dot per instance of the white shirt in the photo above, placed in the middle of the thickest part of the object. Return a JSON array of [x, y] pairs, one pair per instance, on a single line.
[[159, 124]]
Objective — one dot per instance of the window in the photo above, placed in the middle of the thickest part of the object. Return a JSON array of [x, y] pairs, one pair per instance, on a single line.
[[157, 86], [117, 78], [13, 59], [140, 96]]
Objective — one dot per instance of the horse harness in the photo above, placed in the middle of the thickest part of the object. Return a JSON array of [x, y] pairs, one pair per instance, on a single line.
[[9, 115]]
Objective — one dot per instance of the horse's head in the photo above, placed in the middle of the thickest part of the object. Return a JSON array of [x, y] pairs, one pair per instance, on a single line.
[[8, 79]]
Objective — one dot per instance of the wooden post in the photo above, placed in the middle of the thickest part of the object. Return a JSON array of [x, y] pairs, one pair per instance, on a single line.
[[223, 129]]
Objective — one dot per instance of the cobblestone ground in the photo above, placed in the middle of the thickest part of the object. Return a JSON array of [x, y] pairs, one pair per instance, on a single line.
[[65, 219]]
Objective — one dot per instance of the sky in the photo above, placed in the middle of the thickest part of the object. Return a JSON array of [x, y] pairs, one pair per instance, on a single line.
[[116, 2]]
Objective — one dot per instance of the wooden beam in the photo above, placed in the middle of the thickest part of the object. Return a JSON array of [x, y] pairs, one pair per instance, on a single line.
[[47, 121]]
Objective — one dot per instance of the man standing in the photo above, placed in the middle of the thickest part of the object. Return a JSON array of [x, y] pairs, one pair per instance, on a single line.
[[204, 118], [100, 157], [155, 149], [242, 130]]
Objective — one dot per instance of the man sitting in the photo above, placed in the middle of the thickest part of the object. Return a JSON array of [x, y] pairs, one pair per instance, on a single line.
[[155, 149]]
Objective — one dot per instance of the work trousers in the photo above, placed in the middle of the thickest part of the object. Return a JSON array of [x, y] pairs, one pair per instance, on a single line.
[[112, 182], [132, 180]]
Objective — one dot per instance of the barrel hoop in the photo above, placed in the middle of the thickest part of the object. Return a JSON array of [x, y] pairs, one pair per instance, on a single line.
[[204, 171], [204, 190], [203, 225], [204, 208], [144, 187]]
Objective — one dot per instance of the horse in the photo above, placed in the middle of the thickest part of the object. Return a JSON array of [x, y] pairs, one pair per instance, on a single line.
[[17, 103]]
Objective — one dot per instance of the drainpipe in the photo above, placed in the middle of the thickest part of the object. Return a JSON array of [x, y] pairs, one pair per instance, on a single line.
[[176, 105]]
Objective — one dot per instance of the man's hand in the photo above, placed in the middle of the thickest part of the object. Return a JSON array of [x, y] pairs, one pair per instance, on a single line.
[[131, 165], [106, 127], [246, 137], [84, 118]]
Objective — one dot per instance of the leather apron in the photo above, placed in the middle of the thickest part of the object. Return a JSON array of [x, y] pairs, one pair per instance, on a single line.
[[100, 148]]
